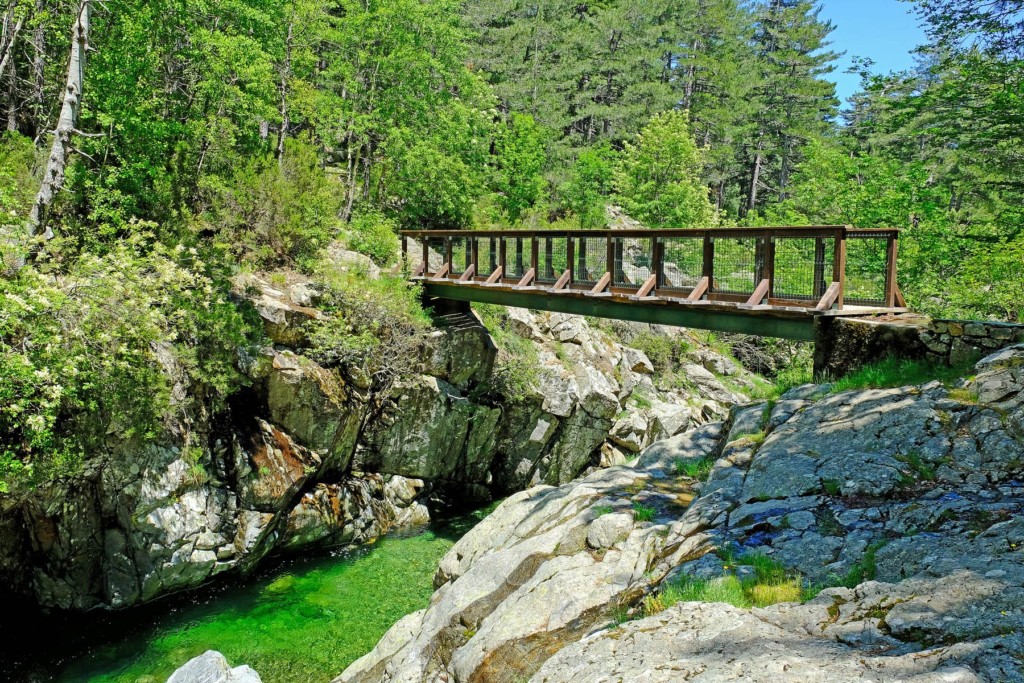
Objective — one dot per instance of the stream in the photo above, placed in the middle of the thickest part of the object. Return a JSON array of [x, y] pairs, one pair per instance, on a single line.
[[301, 620]]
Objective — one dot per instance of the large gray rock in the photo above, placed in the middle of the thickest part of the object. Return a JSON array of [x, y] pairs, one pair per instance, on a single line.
[[212, 667], [534, 591]]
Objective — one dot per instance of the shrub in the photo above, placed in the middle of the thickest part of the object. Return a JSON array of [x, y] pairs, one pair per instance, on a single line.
[[432, 189], [659, 176], [371, 326], [274, 213], [515, 375], [92, 354], [376, 236]]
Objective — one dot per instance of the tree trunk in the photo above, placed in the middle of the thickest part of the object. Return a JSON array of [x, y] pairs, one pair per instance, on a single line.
[[38, 74], [53, 178], [9, 44], [286, 71], [755, 178], [12, 97]]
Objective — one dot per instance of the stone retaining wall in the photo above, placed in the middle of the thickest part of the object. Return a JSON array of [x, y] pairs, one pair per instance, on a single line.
[[961, 341], [845, 344]]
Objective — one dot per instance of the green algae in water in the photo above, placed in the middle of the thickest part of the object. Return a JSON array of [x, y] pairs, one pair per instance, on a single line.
[[303, 624]]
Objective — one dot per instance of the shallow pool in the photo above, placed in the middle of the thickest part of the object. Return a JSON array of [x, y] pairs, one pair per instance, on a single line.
[[302, 621]]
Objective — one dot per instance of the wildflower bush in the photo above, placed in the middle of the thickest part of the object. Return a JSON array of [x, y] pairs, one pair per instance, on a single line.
[[95, 352]]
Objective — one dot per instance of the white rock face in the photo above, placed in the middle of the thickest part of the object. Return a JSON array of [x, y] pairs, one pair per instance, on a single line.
[[212, 667], [534, 593]]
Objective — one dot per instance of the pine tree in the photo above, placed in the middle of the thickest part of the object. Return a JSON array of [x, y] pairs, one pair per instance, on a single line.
[[793, 104]]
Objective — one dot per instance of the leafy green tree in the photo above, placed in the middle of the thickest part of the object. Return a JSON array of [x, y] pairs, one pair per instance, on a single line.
[[518, 177], [658, 179], [432, 189], [590, 185]]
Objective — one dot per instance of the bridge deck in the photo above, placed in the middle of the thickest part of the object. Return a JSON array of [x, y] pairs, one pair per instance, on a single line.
[[769, 281]]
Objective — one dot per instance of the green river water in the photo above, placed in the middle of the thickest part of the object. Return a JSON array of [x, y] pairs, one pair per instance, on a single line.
[[303, 621]]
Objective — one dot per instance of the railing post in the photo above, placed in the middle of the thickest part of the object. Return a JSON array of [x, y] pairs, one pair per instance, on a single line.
[[819, 268], [535, 255], [581, 270], [570, 255], [519, 256], [618, 272], [658, 261], [610, 257], [492, 255], [405, 251], [890, 270], [769, 266], [425, 244], [839, 265], [474, 255], [448, 255], [503, 256], [709, 260]]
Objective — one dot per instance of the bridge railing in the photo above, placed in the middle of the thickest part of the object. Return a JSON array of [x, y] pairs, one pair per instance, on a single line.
[[812, 267]]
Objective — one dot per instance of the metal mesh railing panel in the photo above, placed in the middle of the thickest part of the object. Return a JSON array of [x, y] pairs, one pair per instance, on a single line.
[[803, 267], [866, 259], [436, 253], [517, 256], [462, 254], [488, 255], [591, 259], [634, 261], [683, 263], [736, 266], [552, 258]]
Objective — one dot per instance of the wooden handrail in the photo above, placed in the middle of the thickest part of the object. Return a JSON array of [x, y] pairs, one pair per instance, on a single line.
[[778, 231], [643, 274]]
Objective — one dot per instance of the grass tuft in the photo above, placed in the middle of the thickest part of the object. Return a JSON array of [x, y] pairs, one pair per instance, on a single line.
[[694, 468], [899, 372], [642, 513]]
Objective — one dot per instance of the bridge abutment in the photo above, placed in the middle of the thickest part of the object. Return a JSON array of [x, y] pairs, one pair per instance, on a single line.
[[843, 345]]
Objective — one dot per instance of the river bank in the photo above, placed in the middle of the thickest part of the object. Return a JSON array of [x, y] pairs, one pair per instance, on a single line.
[[299, 619]]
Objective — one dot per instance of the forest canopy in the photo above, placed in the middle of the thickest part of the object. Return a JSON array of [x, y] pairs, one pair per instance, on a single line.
[[159, 147]]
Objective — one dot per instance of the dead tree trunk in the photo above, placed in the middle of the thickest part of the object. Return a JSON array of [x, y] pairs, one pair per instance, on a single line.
[[286, 72], [53, 178], [38, 74]]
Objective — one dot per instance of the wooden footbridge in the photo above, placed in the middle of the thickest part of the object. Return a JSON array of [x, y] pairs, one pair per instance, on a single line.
[[773, 282]]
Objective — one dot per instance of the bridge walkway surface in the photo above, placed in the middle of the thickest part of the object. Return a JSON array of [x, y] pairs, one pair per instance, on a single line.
[[773, 282]]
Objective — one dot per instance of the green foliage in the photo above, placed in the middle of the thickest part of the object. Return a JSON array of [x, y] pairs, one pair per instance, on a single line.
[[694, 468], [602, 510], [770, 583], [518, 179], [865, 569], [643, 513], [97, 352], [372, 327], [919, 469], [516, 370], [898, 372], [590, 185], [376, 236], [433, 189], [658, 177], [665, 352], [274, 214]]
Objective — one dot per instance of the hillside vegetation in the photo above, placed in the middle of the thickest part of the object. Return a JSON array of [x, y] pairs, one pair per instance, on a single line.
[[155, 149]]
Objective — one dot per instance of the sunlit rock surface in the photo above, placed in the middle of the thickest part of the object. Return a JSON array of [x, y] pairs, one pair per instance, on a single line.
[[924, 485]]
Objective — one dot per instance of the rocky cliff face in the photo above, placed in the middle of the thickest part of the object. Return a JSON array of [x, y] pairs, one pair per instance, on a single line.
[[912, 498], [306, 457]]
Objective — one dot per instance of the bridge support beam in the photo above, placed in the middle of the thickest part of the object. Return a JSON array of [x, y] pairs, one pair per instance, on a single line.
[[762, 323]]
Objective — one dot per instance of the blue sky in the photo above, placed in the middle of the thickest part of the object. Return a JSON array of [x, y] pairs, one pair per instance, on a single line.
[[887, 31]]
